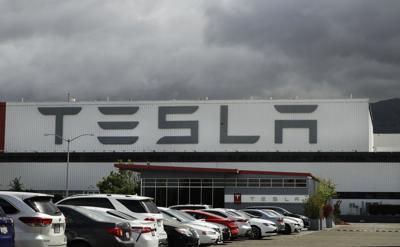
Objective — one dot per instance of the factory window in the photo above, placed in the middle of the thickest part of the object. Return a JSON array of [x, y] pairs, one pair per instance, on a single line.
[[254, 182], [277, 182], [301, 183], [241, 182], [221, 182], [265, 182], [231, 182], [288, 183]]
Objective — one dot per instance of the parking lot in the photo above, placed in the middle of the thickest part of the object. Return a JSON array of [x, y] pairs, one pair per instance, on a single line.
[[358, 234]]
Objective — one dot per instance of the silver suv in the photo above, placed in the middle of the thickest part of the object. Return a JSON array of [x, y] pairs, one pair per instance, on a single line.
[[37, 221], [140, 207]]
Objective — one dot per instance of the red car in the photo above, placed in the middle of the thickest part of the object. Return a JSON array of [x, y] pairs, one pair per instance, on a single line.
[[230, 223]]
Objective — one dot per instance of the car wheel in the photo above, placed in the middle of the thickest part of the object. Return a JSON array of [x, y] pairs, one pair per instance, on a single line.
[[288, 229], [78, 244], [256, 232]]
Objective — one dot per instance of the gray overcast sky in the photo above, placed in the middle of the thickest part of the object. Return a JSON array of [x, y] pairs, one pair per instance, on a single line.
[[190, 49]]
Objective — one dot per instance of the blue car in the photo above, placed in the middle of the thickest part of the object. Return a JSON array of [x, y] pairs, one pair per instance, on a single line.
[[6, 230]]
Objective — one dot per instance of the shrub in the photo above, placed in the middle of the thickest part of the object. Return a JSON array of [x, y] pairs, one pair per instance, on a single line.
[[312, 207], [327, 210]]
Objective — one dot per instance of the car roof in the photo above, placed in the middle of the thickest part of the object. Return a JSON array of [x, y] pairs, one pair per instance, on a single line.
[[118, 196], [23, 195], [202, 212], [197, 205]]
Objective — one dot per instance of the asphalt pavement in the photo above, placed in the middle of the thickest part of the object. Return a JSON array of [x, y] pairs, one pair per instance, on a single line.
[[355, 234]]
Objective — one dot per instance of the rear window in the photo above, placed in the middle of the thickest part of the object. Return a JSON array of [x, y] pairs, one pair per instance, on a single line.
[[43, 204], [145, 206], [90, 202], [2, 214], [121, 215], [7, 207]]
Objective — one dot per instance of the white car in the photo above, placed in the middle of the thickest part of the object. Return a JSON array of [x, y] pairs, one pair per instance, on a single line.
[[299, 222], [208, 232], [291, 224], [37, 221], [260, 227], [143, 232], [140, 207]]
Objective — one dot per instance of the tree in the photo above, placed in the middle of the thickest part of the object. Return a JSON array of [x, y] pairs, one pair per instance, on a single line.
[[121, 182], [326, 190], [317, 205], [16, 185]]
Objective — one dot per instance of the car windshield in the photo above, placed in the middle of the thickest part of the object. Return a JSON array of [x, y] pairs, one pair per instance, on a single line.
[[238, 214], [168, 217], [281, 210], [268, 213], [181, 215], [273, 213], [96, 216], [43, 204]]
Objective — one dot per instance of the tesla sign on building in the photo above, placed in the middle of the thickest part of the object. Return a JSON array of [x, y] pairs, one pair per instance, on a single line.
[[203, 126]]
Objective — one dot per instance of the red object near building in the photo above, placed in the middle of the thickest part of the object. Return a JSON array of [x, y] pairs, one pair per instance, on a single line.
[[198, 214], [237, 198]]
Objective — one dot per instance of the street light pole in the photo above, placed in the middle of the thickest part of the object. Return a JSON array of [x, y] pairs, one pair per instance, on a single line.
[[69, 140], [67, 176]]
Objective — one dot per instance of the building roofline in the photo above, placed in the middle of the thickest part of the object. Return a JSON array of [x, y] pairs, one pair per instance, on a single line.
[[137, 167]]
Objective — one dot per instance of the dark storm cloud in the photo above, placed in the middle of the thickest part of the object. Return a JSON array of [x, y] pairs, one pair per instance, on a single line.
[[149, 49], [346, 46]]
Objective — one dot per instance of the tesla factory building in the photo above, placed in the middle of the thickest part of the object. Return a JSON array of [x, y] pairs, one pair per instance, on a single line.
[[230, 153]]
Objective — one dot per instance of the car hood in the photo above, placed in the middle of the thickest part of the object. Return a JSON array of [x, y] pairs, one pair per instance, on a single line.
[[205, 224], [199, 228], [260, 221]]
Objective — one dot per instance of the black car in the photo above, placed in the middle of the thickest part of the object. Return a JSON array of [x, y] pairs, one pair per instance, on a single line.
[[180, 235], [285, 212], [86, 228]]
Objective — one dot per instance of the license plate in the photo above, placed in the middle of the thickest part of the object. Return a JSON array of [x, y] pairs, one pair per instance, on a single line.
[[127, 234], [56, 228], [3, 230]]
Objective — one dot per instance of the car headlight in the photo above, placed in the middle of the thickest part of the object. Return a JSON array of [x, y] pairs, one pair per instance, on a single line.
[[184, 231], [266, 224]]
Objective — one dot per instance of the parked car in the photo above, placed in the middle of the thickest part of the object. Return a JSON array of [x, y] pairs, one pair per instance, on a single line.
[[286, 225], [209, 233], [143, 232], [190, 206], [284, 212], [140, 207], [291, 224], [37, 221], [213, 218], [260, 227], [261, 214], [7, 233], [180, 235], [242, 223], [86, 228]]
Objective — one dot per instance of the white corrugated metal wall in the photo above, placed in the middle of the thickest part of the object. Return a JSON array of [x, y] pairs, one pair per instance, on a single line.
[[342, 125]]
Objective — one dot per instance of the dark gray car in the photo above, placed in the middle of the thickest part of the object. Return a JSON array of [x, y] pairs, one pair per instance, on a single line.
[[86, 228]]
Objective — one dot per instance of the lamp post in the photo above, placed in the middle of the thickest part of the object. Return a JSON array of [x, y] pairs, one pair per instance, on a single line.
[[69, 140]]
